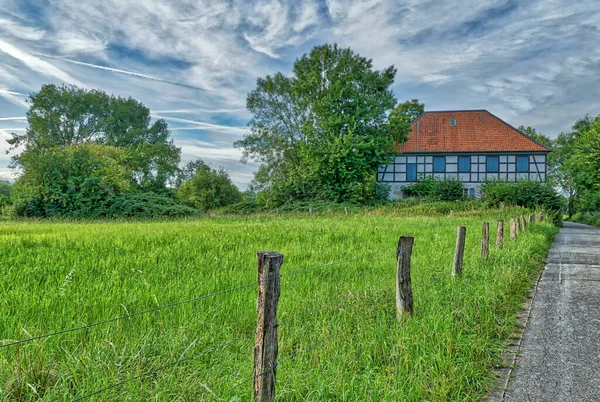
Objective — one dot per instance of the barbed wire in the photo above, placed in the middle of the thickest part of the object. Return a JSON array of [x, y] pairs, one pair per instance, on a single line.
[[95, 324], [329, 264]]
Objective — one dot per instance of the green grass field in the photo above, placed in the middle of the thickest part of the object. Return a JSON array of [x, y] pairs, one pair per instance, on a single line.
[[61, 275]]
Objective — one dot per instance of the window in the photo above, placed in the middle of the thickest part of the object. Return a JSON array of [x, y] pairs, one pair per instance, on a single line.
[[439, 164], [522, 164], [464, 164], [411, 172], [453, 122], [492, 164]]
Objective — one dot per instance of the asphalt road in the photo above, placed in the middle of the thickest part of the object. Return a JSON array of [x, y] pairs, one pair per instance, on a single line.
[[560, 350]]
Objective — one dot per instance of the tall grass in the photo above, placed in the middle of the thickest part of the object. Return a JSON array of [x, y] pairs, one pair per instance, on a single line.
[[61, 275]]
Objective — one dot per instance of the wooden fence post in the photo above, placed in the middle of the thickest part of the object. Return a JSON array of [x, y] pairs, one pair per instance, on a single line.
[[523, 223], [346, 210], [404, 296], [457, 267], [541, 215], [310, 211], [500, 234], [532, 218], [514, 229], [485, 239], [266, 347]]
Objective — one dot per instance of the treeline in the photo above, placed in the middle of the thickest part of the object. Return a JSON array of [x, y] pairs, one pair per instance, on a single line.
[[86, 154]]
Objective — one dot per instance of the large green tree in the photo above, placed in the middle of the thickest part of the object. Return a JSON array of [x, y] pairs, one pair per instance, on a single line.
[[322, 132], [67, 115]]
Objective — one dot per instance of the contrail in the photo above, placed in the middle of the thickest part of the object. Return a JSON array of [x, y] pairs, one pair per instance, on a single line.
[[116, 70], [202, 125], [12, 118]]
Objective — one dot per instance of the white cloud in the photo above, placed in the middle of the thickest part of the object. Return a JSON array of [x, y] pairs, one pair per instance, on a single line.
[[37, 64]]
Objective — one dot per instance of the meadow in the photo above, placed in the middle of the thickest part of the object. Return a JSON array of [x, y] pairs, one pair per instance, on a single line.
[[339, 336]]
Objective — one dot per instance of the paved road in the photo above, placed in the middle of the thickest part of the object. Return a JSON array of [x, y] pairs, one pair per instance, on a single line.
[[560, 353]]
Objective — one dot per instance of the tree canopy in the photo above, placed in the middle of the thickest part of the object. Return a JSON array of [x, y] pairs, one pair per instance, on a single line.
[[62, 116], [322, 132], [207, 188]]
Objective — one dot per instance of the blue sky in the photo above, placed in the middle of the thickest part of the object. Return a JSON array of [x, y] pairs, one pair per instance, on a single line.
[[531, 62]]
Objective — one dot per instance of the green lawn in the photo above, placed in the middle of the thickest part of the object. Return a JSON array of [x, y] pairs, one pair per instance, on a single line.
[[61, 275]]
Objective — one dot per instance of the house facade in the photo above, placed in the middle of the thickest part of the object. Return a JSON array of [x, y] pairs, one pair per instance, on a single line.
[[471, 145]]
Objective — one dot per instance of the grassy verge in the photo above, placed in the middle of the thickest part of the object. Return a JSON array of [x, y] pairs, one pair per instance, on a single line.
[[60, 275]]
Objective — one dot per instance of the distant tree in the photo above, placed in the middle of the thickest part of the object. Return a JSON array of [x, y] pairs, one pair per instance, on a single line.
[[323, 132], [208, 188], [536, 136], [68, 115], [5, 188]]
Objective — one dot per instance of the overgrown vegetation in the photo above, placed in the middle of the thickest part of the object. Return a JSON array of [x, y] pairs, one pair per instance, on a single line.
[[525, 193], [434, 189], [61, 275], [86, 154]]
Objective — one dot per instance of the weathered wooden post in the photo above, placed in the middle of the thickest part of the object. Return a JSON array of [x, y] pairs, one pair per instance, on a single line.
[[346, 210], [500, 234], [523, 223], [485, 239], [266, 347], [457, 267], [514, 229], [404, 296], [532, 218], [542, 215], [310, 211]]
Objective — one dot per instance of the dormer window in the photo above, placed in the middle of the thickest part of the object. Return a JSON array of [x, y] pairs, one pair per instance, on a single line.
[[453, 122]]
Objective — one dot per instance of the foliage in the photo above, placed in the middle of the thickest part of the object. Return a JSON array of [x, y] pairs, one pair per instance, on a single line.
[[447, 189], [536, 136], [525, 193], [66, 274], [70, 180], [322, 133], [208, 188], [402, 116], [146, 206], [68, 115]]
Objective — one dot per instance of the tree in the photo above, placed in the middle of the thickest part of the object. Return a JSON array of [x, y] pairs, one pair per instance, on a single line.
[[72, 180], [68, 115], [323, 132], [536, 136], [208, 188], [402, 116]]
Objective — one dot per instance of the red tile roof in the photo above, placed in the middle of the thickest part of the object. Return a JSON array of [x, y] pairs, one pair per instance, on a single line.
[[475, 131]]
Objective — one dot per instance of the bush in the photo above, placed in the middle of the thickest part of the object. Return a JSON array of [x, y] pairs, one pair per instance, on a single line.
[[146, 205], [447, 189], [524, 193], [127, 205]]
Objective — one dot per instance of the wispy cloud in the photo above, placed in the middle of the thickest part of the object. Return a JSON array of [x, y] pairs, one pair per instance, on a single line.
[[119, 71], [200, 125], [37, 64]]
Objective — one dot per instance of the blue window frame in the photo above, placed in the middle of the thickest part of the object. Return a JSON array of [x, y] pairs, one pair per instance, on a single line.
[[471, 192], [464, 164], [439, 164], [492, 164], [411, 172], [522, 164]]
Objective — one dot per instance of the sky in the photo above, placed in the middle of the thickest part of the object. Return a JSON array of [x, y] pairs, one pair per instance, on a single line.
[[530, 62]]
